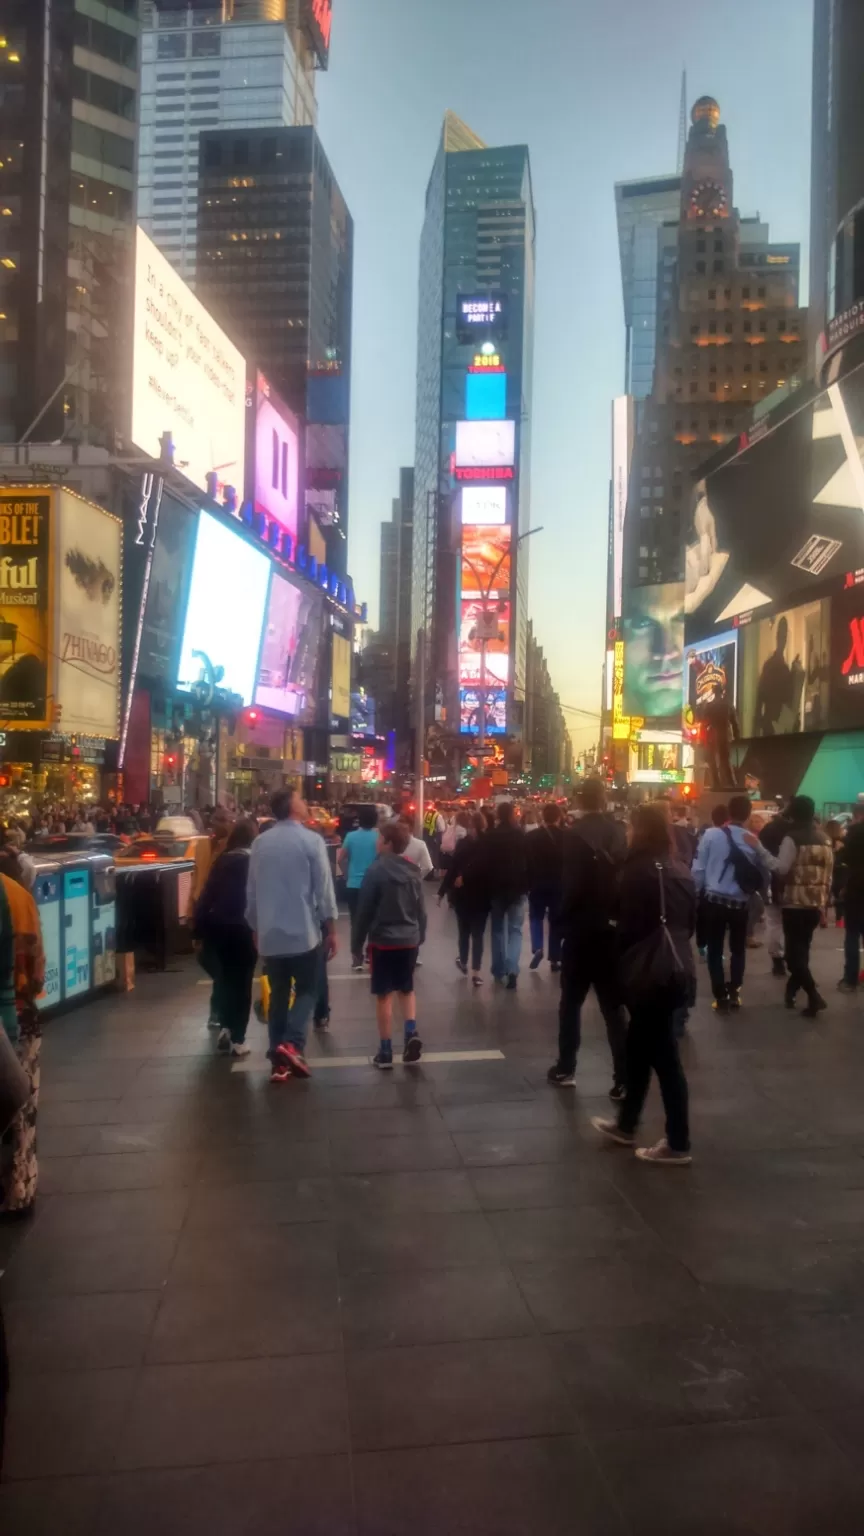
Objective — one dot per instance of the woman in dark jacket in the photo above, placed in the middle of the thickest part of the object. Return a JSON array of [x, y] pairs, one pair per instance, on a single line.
[[651, 1042], [467, 889], [220, 923]]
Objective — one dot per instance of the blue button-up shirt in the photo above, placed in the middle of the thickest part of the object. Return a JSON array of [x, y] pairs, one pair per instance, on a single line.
[[290, 889], [712, 870]]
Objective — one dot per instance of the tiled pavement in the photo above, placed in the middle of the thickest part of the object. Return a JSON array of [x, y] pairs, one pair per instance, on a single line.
[[430, 1303]]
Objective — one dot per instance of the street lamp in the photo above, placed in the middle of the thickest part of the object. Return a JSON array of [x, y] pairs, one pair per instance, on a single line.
[[486, 616]]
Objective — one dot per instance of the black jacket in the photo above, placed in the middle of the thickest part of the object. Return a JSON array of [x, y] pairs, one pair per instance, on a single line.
[[851, 860], [390, 909], [504, 864], [222, 903], [545, 850], [467, 862], [593, 853], [638, 908]]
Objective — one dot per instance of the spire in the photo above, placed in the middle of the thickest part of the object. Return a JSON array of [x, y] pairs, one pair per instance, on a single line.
[[682, 122], [458, 136]]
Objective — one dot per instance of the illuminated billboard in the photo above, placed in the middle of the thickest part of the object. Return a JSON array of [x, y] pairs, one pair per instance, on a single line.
[[481, 317], [486, 396], [162, 627], [485, 444], [486, 625], [710, 674], [494, 710], [622, 452], [225, 611], [318, 21], [187, 377], [340, 698], [847, 657], [25, 519], [785, 671], [485, 563], [277, 457], [291, 650], [89, 557], [484, 504], [653, 627]]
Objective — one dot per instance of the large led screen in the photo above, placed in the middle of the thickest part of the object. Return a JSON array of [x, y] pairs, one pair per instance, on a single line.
[[485, 444], [653, 628], [485, 562], [847, 657], [161, 631], [225, 611], [485, 396], [187, 377], [89, 553], [484, 504], [774, 522], [490, 623], [785, 672], [288, 669], [340, 703], [494, 710], [277, 457], [710, 673], [481, 316]]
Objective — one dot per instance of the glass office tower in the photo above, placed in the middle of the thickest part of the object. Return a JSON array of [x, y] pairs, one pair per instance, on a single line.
[[643, 207], [475, 357]]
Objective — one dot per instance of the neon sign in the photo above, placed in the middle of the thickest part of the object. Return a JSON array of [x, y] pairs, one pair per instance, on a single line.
[[471, 472]]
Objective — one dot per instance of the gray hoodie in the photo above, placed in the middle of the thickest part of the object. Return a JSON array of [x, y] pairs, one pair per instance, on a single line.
[[390, 912]]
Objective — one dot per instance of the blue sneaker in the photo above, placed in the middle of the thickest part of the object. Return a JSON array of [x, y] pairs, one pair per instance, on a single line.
[[384, 1059]]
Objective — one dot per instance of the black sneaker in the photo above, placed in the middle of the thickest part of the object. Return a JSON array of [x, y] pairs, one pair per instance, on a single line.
[[555, 967], [536, 959], [735, 998], [561, 1076], [617, 1093], [511, 983], [815, 1006], [461, 966], [383, 1060], [720, 1005], [413, 1051], [778, 967], [323, 1022]]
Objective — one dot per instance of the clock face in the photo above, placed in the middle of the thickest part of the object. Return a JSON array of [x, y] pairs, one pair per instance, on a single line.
[[709, 200]]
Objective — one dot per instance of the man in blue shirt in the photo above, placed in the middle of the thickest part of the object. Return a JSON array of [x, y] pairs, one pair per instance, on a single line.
[[725, 904], [358, 852], [290, 903]]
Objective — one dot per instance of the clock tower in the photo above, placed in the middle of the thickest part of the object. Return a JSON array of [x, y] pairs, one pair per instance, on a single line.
[[706, 185]]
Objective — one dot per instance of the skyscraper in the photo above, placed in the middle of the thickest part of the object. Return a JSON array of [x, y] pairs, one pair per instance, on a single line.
[[275, 268], [215, 64], [68, 107], [643, 208], [473, 424], [837, 191]]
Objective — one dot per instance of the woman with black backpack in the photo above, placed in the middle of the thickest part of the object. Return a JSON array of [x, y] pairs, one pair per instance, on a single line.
[[656, 921]]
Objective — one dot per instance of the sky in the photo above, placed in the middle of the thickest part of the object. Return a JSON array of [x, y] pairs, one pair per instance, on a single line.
[[593, 88]]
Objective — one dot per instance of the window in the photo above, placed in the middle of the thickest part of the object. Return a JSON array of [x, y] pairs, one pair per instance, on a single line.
[[713, 386], [97, 144], [167, 202], [718, 245], [206, 74], [171, 47], [748, 367], [718, 266], [692, 389], [206, 45], [728, 327], [694, 330], [745, 293], [748, 327], [700, 266], [700, 245], [170, 90], [168, 138], [712, 329], [108, 95], [106, 41], [760, 293]]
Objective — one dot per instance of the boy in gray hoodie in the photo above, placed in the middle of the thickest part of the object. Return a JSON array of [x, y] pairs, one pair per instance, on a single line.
[[391, 918]]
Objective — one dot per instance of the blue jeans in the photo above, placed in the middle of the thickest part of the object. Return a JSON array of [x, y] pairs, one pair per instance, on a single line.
[[289, 1028], [507, 921], [852, 952], [542, 902]]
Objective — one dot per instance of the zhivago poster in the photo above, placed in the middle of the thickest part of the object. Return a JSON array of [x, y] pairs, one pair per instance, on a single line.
[[88, 561]]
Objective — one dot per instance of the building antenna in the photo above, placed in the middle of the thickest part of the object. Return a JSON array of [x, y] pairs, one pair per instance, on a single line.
[[682, 122]]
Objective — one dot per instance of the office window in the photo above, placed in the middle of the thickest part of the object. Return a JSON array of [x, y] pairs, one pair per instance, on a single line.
[[206, 45], [718, 266], [761, 293], [171, 47], [745, 293], [700, 266]]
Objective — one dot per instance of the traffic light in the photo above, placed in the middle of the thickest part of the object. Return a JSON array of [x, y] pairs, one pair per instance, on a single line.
[[251, 718], [170, 760]]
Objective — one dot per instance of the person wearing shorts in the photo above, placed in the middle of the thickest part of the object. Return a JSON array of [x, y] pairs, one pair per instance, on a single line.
[[391, 919]]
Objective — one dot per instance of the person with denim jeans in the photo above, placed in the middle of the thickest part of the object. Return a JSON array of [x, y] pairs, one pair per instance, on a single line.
[[725, 904], [505, 872], [358, 852], [289, 900]]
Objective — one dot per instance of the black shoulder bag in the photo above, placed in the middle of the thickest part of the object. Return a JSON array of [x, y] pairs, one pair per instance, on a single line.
[[658, 963]]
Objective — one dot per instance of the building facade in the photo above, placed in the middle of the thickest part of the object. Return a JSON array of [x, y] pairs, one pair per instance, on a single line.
[[275, 267], [208, 64], [643, 209], [473, 425], [837, 188], [68, 109], [548, 759]]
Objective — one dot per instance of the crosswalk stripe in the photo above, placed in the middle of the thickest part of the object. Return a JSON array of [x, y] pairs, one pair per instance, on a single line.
[[318, 1063]]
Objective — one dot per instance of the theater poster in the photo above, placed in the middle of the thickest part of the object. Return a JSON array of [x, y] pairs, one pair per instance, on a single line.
[[88, 557], [25, 523]]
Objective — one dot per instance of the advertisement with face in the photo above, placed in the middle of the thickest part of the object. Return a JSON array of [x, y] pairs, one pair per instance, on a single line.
[[163, 614], [225, 611], [785, 672], [486, 562], [495, 710], [25, 518], [290, 651], [780, 518], [654, 652], [710, 673], [187, 377], [489, 622], [340, 703], [277, 457], [88, 564]]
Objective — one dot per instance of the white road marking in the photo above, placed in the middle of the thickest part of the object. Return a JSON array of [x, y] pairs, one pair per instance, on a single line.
[[317, 1063]]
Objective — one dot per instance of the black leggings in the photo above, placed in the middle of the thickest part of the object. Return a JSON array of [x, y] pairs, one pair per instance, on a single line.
[[799, 926], [472, 927], [651, 1045]]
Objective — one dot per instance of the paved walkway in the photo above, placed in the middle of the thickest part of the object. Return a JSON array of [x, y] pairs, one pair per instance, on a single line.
[[430, 1304]]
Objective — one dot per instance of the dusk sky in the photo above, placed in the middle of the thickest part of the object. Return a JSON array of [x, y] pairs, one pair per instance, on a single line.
[[593, 88]]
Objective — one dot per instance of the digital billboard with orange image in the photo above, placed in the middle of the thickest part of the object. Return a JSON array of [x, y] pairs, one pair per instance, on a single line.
[[486, 561]]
